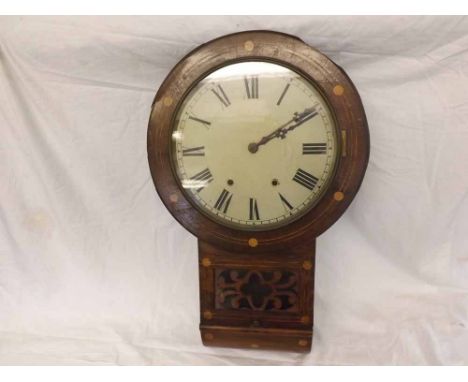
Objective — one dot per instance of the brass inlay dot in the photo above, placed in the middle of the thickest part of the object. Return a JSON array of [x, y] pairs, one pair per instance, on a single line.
[[255, 346], [207, 315], [167, 101], [338, 90], [209, 336], [305, 319], [174, 198], [302, 342], [338, 196], [307, 265], [206, 262], [253, 242], [248, 46]]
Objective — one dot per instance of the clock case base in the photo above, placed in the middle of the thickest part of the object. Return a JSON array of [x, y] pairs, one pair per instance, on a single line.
[[258, 300]]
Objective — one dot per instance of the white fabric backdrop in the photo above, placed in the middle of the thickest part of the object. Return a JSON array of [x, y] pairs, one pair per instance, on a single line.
[[94, 270]]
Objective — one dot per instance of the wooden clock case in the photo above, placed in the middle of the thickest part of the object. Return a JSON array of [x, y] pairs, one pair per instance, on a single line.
[[257, 287]]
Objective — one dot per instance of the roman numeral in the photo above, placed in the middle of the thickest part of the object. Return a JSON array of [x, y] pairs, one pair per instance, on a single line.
[[253, 210], [223, 201], [251, 87], [221, 95], [194, 152], [305, 179], [314, 148], [283, 94], [200, 120], [200, 181], [285, 201]]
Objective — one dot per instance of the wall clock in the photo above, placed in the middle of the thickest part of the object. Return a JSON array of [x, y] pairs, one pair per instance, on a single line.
[[257, 144]]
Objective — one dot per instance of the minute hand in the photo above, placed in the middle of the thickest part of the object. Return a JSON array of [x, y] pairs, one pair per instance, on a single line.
[[280, 132], [300, 119]]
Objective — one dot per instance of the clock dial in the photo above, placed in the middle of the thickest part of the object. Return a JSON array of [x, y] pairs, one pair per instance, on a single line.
[[254, 145]]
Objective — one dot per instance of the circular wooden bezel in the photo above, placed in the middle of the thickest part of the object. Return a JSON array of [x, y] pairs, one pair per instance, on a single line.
[[336, 88]]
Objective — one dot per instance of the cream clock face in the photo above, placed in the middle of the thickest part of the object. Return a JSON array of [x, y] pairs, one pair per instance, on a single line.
[[254, 145]]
